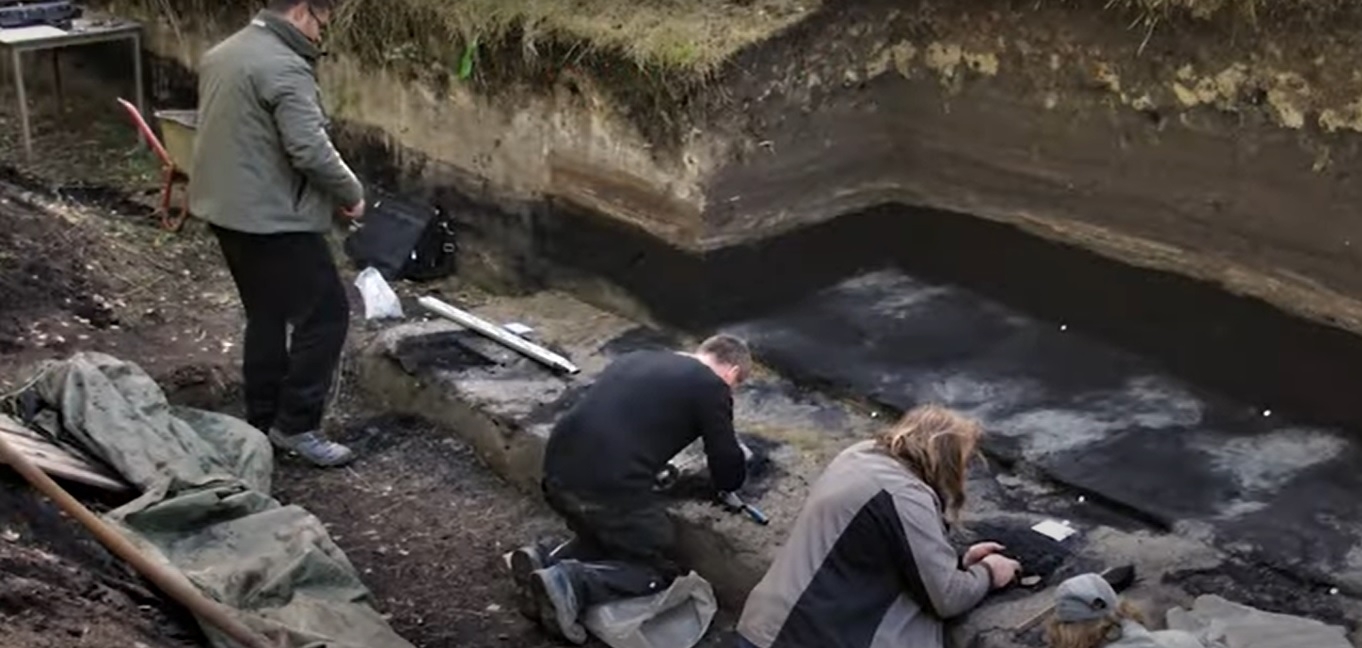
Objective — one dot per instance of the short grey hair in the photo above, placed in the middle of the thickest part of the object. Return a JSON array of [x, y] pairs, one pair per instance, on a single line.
[[728, 350]]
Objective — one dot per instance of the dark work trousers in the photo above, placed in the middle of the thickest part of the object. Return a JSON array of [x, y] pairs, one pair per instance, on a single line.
[[619, 550], [287, 279]]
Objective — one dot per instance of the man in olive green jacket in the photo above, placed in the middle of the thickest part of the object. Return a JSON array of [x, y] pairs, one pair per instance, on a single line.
[[267, 179]]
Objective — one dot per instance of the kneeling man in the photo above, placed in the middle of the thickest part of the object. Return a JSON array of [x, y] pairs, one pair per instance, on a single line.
[[599, 470]]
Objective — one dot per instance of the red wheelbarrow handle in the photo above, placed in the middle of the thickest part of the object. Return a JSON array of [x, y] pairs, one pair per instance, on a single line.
[[147, 133]]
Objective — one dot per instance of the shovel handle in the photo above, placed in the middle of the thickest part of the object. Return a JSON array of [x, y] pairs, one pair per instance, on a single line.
[[171, 582]]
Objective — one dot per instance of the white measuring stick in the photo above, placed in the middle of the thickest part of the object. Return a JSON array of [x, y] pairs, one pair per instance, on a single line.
[[498, 334]]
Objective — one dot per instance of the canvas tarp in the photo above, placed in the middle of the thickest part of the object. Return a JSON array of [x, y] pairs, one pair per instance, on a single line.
[[205, 507]]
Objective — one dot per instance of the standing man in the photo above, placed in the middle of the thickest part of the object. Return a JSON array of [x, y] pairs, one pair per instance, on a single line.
[[600, 465], [267, 179]]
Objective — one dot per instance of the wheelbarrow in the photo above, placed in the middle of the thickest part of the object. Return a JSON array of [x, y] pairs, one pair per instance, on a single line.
[[179, 128]]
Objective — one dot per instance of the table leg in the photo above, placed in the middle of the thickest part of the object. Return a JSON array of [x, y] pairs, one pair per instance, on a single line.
[[56, 78], [17, 61], [137, 81]]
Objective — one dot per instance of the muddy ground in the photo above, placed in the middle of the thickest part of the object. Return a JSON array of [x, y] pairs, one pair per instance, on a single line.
[[84, 267]]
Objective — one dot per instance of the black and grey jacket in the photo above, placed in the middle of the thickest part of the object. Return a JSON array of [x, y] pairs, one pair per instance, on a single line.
[[866, 566]]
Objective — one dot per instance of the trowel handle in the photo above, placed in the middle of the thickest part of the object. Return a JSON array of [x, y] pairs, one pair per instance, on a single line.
[[735, 504]]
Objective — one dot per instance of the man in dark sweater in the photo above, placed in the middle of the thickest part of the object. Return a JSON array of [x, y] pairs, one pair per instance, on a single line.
[[599, 470]]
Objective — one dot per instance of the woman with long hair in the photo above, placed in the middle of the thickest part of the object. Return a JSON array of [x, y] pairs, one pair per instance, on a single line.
[[867, 564]]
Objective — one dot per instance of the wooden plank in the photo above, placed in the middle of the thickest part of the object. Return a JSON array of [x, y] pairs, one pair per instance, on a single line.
[[20, 433], [60, 463], [50, 450]]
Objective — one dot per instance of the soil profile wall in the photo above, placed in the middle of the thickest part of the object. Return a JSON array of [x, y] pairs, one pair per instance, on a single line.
[[1219, 149]]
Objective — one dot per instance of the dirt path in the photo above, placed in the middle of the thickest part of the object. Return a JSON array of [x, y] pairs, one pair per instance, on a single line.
[[426, 524]]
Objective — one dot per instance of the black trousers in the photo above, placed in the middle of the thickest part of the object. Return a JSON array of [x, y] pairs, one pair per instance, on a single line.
[[619, 550], [287, 280]]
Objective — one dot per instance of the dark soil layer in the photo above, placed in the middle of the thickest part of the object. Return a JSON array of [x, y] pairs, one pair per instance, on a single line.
[[83, 268], [426, 524], [42, 267], [59, 588], [1242, 347], [1263, 588]]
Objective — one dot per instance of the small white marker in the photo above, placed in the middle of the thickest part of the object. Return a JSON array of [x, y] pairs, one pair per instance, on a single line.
[[1333, 591], [1082, 499], [1063, 327], [1267, 412]]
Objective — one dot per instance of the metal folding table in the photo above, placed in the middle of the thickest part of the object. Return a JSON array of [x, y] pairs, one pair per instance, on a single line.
[[84, 31]]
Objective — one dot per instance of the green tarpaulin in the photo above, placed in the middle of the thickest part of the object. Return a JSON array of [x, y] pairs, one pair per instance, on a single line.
[[205, 507]]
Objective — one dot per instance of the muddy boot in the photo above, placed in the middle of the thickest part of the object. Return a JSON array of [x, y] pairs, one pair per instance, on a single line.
[[313, 447], [525, 561], [556, 597]]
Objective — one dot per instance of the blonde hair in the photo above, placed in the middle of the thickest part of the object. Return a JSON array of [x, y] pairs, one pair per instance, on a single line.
[[937, 444], [1091, 634]]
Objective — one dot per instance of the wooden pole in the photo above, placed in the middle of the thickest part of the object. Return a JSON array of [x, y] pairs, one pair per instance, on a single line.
[[169, 581]]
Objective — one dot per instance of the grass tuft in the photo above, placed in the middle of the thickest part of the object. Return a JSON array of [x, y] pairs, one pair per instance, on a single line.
[[689, 36]]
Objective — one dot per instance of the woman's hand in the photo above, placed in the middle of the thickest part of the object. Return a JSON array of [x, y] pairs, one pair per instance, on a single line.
[[979, 551], [1002, 569]]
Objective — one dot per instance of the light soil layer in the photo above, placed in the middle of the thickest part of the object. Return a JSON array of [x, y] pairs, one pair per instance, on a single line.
[[504, 405], [1218, 149]]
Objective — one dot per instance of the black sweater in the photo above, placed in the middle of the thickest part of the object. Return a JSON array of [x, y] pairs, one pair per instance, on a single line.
[[642, 410]]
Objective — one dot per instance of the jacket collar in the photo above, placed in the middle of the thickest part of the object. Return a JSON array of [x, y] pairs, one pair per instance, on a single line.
[[288, 33]]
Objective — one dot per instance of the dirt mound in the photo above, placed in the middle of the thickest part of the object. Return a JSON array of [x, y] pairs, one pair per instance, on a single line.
[[59, 588], [43, 268]]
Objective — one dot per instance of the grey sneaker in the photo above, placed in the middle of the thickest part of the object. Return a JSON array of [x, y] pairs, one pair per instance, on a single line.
[[557, 600], [314, 447]]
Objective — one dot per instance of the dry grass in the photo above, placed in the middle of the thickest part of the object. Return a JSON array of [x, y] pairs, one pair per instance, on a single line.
[[1252, 10], [693, 36]]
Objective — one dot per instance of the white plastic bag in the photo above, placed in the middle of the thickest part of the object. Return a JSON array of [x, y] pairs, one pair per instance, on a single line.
[[379, 299], [676, 618]]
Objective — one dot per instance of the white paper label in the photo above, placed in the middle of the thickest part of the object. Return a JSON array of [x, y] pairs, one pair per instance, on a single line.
[[1054, 530]]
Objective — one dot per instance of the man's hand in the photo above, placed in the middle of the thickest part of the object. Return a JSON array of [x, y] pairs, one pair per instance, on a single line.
[[977, 552], [354, 212], [1002, 569]]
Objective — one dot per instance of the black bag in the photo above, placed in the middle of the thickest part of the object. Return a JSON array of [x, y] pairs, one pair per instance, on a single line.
[[403, 240], [435, 253]]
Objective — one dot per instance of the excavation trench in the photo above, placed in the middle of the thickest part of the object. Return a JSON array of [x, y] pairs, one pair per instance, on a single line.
[[1211, 437], [1176, 411]]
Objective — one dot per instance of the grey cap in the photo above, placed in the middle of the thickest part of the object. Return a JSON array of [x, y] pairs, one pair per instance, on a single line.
[[1088, 597]]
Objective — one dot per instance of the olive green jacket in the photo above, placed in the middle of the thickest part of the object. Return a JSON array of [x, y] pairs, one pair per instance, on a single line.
[[263, 162]]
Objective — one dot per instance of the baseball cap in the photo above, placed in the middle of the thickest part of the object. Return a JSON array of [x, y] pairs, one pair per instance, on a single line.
[[1087, 597]]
